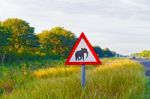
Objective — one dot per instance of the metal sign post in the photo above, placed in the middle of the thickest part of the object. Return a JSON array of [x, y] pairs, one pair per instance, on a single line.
[[83, 76], [77, 56]]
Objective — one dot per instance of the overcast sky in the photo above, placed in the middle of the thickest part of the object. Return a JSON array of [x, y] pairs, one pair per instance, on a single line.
[[121, 25]]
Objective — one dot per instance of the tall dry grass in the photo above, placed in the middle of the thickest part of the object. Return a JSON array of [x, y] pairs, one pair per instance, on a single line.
[[55, 71], [115, 79]]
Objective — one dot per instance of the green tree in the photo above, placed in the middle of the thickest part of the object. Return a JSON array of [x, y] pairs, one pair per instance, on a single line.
[[145, 54], [57, 41], [5, 35], [108, 52], [23, 37], [99, 51]]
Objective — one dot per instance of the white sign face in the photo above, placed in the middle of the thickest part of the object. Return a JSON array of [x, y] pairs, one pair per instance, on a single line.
[[82, 53]]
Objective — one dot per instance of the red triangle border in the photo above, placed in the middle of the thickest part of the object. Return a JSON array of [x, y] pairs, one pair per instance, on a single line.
[[82, 36]]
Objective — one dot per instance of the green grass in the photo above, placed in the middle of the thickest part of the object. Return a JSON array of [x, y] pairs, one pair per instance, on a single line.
[[115, 79], [147, 90]]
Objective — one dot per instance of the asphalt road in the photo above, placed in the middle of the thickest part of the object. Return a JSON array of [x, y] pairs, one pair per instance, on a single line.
[[145, 63]]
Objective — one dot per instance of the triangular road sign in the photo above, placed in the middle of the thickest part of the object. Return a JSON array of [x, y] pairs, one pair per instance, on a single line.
[[82, 53]]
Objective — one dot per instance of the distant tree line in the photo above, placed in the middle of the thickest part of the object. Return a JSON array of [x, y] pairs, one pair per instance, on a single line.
[[18, 41], [105, 52], [145, 54]]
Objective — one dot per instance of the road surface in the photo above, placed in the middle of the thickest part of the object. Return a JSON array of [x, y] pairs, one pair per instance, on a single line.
[[145, 63]]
